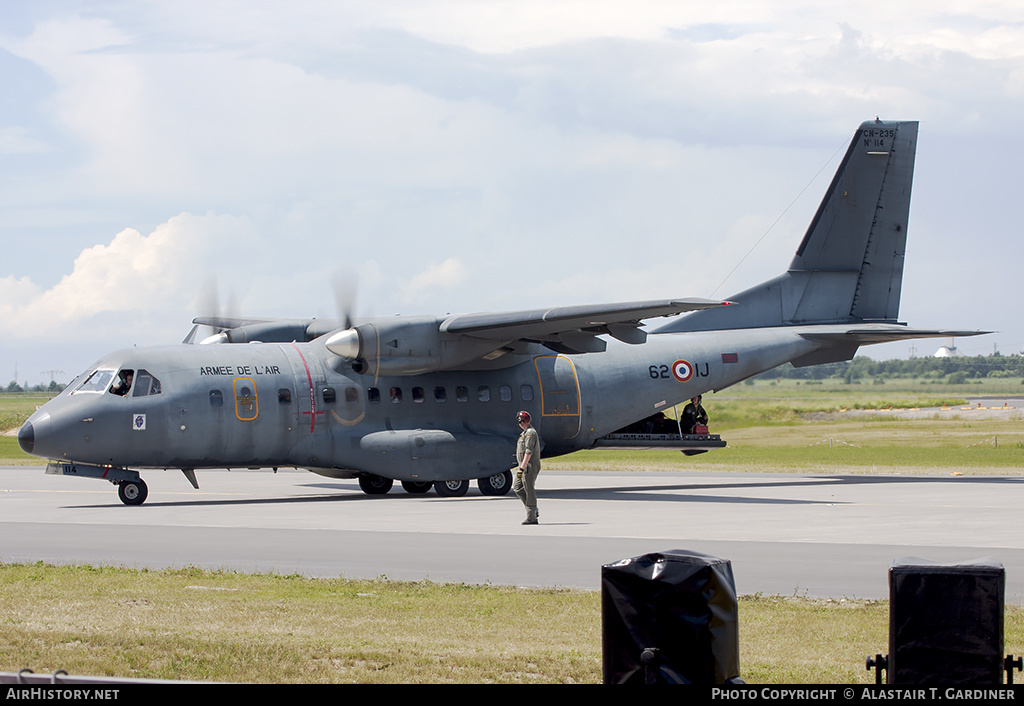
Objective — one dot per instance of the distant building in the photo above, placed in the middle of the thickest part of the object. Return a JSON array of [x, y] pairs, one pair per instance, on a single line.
[[947, 352]]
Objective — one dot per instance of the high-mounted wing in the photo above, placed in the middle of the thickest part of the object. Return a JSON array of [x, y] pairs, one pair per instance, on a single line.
[[409, 345], [538, 323], [573, 328], [404, 345]]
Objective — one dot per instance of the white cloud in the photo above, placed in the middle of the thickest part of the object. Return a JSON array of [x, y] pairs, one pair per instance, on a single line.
[[444, 275], [132, 286], [17, 140]]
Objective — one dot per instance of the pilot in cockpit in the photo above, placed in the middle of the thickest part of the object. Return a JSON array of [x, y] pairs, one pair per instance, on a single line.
[[123, 383]]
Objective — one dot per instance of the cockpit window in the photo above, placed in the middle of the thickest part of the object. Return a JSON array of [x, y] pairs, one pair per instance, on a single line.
[[96, 382], [122, 383], [145, 384]]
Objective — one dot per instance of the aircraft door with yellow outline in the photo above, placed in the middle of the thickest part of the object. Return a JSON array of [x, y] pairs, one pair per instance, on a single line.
[[559, 396], [247, 404]]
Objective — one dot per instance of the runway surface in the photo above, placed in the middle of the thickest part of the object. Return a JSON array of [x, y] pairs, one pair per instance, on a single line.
[[806, 535]]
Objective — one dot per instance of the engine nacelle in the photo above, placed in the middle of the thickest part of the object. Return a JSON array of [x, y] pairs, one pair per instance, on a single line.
[[405, 345], [269, 332]]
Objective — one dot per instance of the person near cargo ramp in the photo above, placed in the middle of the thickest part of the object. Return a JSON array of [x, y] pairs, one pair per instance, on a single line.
[[693, 414], [527, 467]]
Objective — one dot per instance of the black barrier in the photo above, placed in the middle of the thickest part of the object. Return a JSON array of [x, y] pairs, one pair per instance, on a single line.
[[670, 618], [946, 622]]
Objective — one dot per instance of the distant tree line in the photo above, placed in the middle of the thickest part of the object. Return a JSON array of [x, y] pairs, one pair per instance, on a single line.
[[955, 369], [54, 386]]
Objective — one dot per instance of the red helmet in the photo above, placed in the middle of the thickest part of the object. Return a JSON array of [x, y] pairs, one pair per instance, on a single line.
[[523, 417]]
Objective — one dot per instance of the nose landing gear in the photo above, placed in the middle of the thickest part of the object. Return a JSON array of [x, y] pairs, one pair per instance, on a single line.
[[132, 492]]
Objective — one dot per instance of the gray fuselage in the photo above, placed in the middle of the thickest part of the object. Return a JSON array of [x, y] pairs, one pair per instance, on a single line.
[[294, 404]]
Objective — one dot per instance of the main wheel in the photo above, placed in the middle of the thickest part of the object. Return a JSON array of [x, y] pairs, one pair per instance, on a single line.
[[416, 487], [375, 485], [451, 488], [498, 484], [132, 492]]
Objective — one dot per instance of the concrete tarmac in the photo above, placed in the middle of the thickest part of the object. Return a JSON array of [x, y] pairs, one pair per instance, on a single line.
[[806, 535]]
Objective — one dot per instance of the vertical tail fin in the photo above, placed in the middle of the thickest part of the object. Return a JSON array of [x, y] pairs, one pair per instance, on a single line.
[[849, 266]]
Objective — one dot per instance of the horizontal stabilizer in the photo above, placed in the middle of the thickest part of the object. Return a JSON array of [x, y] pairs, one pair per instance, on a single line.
[[839, 343], [867, 334]]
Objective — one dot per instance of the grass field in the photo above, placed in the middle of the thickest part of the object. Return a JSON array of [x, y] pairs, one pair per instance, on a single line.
[[215, 626]]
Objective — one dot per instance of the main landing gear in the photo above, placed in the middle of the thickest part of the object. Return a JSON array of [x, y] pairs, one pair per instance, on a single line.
[[498, 484]]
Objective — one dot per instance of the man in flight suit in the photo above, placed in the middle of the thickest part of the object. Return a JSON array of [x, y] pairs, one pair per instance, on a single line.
[[693, 414], [527, 468]]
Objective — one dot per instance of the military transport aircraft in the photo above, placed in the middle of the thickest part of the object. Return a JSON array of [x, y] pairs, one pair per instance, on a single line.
[[431, 401]]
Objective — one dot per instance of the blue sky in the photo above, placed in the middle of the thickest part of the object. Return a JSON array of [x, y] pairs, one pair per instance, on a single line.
[[464, 156]]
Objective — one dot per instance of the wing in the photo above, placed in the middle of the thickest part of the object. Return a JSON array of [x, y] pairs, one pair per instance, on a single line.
[[409, 345], [573, 328]]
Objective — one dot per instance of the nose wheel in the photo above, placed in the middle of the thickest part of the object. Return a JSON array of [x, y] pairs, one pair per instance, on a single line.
[[132, 492]]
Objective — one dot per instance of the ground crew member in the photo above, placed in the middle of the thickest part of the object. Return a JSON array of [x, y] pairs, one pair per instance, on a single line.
[[527, 467], [693, 414]]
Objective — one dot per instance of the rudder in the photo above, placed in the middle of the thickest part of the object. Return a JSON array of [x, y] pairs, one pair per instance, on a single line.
[[849, 266]]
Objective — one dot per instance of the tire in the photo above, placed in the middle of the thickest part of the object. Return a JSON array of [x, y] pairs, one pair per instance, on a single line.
[[375, 485], [132, 492], [498, 484], [416, 487], [451, 488]]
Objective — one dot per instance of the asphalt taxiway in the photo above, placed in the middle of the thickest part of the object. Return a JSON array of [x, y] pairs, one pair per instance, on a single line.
[[806, 535]]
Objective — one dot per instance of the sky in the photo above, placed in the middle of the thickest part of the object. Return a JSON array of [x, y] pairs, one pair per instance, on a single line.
[[165, 160]]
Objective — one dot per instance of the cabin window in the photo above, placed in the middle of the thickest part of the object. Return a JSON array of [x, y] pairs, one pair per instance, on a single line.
[[284, 396], [216, 398], [417, 395], [483, 393], [526, 392], [440, 394], [351, 395], [396, 395], [329, 395], [505, 393], [145, 385], [462, 393], [373, 395]]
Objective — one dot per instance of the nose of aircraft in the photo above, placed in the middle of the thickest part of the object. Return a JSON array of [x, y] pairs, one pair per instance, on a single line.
[[27, 437], [33, 431]]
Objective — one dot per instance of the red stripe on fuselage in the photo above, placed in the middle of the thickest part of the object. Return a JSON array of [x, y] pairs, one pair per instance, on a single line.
[[312, 393]]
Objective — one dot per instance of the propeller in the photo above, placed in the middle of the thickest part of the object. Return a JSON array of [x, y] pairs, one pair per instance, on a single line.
[[345, 341], [209, 306], [344, 283]]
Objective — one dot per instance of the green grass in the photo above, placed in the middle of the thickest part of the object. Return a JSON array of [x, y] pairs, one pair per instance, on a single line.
[[16, 408], [219, 626], [949, 445]]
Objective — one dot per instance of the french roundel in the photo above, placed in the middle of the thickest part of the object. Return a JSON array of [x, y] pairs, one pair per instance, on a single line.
[[682, 370]]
